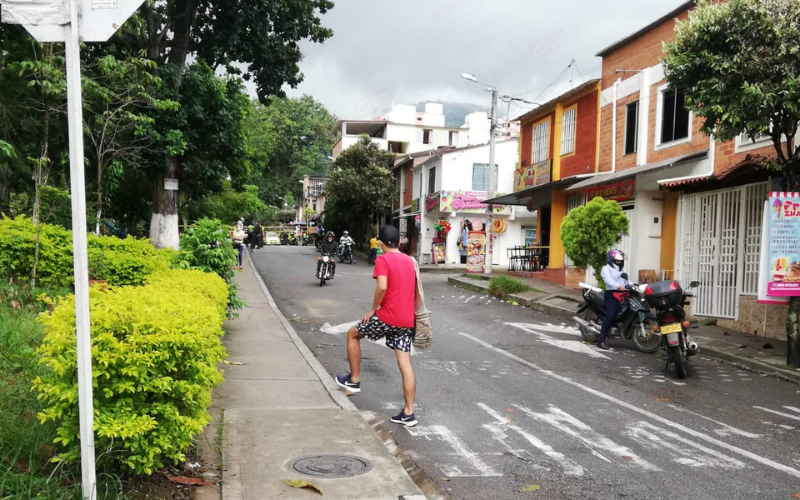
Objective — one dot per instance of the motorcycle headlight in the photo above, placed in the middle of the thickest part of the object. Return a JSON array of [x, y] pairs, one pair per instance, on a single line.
[[325, 259]]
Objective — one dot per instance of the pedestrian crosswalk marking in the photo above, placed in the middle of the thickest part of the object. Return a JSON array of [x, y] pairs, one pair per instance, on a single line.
[[647, 434], [569, 345], [460, 449], [785, 415]]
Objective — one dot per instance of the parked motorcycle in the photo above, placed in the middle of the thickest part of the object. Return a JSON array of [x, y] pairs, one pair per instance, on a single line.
[[347, 254], [635, 321], [325, 268], [668, 299]]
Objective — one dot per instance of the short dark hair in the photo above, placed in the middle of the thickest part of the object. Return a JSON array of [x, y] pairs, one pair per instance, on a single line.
[[389, 236]]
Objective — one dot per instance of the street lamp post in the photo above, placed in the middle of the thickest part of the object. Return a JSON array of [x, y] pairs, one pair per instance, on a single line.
[[487, 267]]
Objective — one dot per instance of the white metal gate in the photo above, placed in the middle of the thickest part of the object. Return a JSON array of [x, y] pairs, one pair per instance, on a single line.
[[625, 244], [717, 235]]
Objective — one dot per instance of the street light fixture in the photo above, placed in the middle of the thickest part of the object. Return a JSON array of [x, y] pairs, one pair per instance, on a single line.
[[487, 266]]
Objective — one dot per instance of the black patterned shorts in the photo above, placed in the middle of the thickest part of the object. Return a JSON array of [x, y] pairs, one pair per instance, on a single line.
[[396, 337]]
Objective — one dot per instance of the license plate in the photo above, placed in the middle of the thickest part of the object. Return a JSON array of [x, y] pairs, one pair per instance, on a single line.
[[673, 339], [673, 328]]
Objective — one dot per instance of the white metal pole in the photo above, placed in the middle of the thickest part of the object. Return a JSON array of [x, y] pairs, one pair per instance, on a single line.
[[487, 267], [81, 261]]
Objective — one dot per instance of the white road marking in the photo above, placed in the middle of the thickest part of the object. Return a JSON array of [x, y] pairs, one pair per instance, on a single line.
[[726, 429], [499, 435], [569, 345], [549, 328], [442, 366], [786, 415], [460, 449], [338, 329], [568, 424], [570, 468], [647, 435], [792, 408], [757, 458]]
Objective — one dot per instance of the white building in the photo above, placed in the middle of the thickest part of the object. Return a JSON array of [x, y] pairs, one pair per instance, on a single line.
[[462, 174]]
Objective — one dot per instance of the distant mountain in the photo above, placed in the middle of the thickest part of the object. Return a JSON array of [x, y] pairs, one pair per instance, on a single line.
[[454, 112]]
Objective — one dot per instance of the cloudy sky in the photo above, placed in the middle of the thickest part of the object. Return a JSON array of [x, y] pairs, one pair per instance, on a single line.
[[407, 51]]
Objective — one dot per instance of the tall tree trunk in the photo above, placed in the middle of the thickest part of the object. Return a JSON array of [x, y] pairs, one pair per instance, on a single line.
[[793, 332], [5, 191], [40, 176], [164, 222], [99, 203]]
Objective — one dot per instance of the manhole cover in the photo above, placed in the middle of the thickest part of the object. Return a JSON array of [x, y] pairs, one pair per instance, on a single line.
[[332, 466]]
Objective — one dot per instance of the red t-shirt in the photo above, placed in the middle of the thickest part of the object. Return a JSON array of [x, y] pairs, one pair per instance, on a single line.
[[399, 304]]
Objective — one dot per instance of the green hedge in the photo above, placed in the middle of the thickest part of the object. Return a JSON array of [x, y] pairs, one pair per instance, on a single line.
[[155, 349], [121, 262]]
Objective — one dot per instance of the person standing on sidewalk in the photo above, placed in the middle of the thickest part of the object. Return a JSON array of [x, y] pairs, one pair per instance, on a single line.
[[391, 317], [373, 250], [238, 240]]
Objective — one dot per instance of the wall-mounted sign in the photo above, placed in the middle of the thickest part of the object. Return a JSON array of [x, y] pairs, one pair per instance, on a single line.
[[538, 174], [619, 191], [431, 202], [470, 202], [170, 184], [784, 245]]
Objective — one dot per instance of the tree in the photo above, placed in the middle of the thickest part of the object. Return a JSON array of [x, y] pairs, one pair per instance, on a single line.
[[256, 38], [228, 205], [738, 63], [590, 231], [361, 184]]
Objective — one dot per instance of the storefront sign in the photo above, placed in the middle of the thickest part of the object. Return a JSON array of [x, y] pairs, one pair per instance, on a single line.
[[476, 249], [619, 191], [469, 202], [431, 202], [532, 176], [438, 253], [415, 205], [784, 245]]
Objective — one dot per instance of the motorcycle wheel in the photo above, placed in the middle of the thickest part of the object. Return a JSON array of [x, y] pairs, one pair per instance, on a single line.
[[322, 273], [589, 317], [677, 358], [645, 339]]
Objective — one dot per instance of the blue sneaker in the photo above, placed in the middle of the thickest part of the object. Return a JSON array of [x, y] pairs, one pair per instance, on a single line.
[[345, 383], [403, 419]]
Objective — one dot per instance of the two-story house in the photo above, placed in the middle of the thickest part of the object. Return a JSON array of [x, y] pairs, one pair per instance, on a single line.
[[313, 201], [695, 205]]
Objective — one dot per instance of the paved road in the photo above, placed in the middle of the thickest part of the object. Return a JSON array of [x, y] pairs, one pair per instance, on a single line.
[[509, 397]]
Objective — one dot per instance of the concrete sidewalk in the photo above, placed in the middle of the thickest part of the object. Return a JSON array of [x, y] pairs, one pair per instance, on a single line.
[[278, 404], [759, 354]]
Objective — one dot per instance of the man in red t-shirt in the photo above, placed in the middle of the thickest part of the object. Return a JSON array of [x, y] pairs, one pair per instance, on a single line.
[[391, 317]]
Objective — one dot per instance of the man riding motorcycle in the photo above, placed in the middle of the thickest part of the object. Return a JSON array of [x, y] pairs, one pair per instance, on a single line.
[[343, 242], [329, 247], [615, 281]]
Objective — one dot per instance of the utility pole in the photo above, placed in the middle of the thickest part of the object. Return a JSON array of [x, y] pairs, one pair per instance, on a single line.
[[487, 266]]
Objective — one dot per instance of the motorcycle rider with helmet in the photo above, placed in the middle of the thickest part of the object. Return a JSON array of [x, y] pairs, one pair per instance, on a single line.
[[615, 281], [343, 242], [330, 248]]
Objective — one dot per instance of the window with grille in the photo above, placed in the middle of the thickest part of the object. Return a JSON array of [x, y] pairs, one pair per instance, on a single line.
[[480, 177], [568, 131], [541, 142]]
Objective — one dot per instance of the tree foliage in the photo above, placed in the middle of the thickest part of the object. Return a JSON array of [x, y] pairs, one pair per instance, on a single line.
[[228, 205], [361, 186], [738, 63], [590, 231]]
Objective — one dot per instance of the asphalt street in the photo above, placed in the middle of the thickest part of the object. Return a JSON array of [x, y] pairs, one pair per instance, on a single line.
[[509, 398]]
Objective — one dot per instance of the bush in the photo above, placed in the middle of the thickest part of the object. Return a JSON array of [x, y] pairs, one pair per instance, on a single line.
[[155, 350], [121, 262], [503, 286], [207, 246]]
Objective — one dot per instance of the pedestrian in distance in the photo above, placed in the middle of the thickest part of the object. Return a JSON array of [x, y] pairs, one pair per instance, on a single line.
[[615, 281], [391, 317], [373, 250], [238, 240]]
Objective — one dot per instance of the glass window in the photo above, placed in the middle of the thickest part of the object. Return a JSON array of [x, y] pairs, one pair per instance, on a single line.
[[432, 180], [568, 124], [541, 142], [480, 177], [674, 116], [632, 128], [529, 235]]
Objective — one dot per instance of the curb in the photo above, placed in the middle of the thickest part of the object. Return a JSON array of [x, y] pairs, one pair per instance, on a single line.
[[750, 364]]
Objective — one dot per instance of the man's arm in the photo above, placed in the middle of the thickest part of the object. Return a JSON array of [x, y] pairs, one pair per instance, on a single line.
[[380, 292]]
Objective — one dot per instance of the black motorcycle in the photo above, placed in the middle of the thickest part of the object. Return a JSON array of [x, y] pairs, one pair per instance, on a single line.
[[635, 320], [325, 268], [668, 299], [347, 254]]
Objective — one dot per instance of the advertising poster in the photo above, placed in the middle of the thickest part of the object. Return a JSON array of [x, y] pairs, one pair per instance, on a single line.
[[784, 244], [476, 249], [469, 202], [438, 253], [764, 275]]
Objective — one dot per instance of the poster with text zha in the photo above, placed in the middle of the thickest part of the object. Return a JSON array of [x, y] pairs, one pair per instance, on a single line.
[[784, 244]]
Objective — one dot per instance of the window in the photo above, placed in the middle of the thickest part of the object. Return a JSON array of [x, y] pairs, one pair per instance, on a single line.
[[674, 116], [453, 138], [432, 180], [541, 142], [632, 128], [480, 177], [529, 235], [426, 136], [568, 131]]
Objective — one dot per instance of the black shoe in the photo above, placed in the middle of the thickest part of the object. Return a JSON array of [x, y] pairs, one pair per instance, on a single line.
[[345, 383], [403, 419], [602, 345]]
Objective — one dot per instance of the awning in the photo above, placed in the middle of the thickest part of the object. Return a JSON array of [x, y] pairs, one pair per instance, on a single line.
[[406, 216], [752, 169], [641, 169], [520, 198]]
